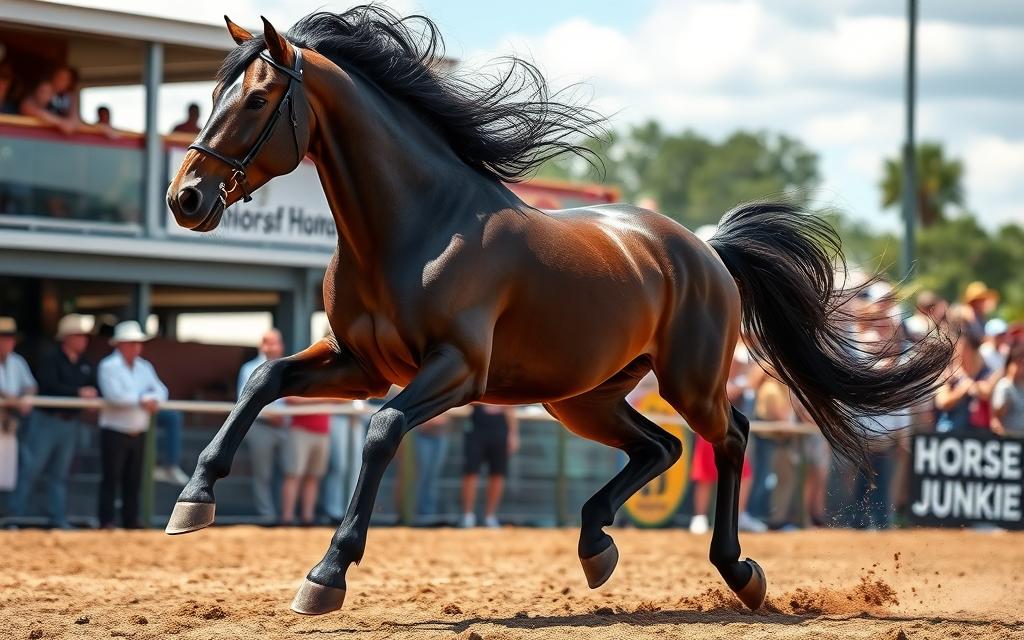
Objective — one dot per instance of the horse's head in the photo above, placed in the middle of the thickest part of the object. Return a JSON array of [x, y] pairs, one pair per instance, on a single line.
[[259, 129]]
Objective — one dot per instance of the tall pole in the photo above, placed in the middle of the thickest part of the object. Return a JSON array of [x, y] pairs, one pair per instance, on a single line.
[[154, 206], [909, 157]]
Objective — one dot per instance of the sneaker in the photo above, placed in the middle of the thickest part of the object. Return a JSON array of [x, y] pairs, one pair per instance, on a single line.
[[747, 522], [178, 475], [160, 474], [491, 522], [699, 525], [468, 521]]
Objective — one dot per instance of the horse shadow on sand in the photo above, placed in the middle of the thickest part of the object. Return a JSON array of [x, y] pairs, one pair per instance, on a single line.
[[715, 615]]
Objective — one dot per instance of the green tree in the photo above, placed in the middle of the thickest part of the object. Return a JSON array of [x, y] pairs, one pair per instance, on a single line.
[[748, 166], [693, 179], [939, 183], [864, 249]]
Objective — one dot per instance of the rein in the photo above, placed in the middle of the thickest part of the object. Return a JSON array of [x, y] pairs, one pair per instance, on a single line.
[[238, 177]]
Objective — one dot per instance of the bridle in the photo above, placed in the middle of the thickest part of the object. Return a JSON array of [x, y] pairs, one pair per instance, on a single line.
[[238, 177]]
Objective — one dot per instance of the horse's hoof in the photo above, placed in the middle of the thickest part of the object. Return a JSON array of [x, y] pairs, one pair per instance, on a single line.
[[314, 599], [600, 567], [752, 594], [190, 516]]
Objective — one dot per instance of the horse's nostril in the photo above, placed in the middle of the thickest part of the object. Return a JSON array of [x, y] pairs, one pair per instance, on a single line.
[[189, 199]]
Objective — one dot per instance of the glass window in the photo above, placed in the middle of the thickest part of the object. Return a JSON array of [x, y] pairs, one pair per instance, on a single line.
[[70, 181], [242, 328]]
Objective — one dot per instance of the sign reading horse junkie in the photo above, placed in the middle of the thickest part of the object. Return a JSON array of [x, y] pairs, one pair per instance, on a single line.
[[960, 479], [291, 209]]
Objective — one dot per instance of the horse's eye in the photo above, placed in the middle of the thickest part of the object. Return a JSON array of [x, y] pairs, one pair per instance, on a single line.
[[255, 103]]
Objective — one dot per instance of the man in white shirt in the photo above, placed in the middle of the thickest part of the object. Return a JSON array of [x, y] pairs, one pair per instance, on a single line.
[[133, 393], [268, 436], [17, 386]]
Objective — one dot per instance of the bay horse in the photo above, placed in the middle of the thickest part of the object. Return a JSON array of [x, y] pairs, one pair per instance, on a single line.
[[448, 285]]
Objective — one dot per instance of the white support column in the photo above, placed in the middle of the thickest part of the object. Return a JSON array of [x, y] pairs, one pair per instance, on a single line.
[[155, 160]]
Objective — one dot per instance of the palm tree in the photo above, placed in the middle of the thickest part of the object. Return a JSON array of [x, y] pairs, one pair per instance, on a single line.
[[939, 183]]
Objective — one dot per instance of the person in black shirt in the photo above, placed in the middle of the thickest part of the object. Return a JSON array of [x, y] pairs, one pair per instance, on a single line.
[[49, 445], [492, 437]]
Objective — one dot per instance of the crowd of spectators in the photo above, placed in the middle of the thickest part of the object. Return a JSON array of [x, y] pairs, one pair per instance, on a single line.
[[790, 479], [982, 391], [292, 457], [52, 98], [40, 443]]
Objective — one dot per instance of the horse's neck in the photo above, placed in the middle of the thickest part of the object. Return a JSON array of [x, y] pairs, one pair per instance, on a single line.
[[386, 174]]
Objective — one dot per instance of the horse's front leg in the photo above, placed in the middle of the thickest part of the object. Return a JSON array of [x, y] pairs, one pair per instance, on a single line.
[[445, 380], [322, 370]]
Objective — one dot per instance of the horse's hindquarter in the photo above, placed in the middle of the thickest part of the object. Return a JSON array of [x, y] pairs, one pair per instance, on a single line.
[[555, 303], [587, 297]]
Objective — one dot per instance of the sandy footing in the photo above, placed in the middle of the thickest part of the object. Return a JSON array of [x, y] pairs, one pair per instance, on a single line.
[[237, 582]]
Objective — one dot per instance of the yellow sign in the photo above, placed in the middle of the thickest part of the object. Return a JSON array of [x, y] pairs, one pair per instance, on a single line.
[[657, 502]]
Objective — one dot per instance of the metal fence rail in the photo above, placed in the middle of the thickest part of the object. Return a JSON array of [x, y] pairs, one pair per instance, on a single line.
[[358, 410], [363, 409]]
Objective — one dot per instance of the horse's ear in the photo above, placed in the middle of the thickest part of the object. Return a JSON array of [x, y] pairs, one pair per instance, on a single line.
[[238, 34], [277, 46]]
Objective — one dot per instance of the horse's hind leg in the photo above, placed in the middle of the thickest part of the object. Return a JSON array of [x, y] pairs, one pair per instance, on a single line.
[[744, 577], [692, 378], [604, 416]]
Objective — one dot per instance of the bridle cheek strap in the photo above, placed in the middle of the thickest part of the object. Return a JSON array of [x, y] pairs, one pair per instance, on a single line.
[[238, 177]]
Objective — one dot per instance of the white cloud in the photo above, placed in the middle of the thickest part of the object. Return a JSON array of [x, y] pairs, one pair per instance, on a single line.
[[834, 80], [995, 177]]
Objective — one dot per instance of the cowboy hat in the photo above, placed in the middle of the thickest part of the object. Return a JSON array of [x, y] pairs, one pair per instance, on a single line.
[[74, 324], [128, 331], [977, 291], [8, 326]]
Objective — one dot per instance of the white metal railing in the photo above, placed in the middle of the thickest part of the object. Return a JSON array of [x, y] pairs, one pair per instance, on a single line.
[[360, 409]]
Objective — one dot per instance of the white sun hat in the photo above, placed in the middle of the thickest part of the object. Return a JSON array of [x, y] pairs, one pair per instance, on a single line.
[[74, 324], [128, 331]]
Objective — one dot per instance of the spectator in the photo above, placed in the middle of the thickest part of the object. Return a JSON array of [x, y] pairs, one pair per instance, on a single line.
[[1008, 397], [191, 124], [493, 436], [342, 464], [431, 446], [64, 102], [930, 313], [7, 104], [54, 100], [880, 338], [17, 386], [818, 464], [774, 404], [979, 301], [169, 425], [49, 446], [104, 124], [267, 436], [963, 399], [305, 462], [133, 394], [996, 344]]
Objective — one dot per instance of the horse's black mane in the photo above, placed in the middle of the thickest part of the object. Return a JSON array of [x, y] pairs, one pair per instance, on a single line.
[[504, 125]]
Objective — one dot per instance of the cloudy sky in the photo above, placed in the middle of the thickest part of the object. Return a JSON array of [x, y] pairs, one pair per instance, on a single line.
[[830, 73]]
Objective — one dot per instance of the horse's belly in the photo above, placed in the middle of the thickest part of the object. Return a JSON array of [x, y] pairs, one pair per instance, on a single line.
[[569, 343]]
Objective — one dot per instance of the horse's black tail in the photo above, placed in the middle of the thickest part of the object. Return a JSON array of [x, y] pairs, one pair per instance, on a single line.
[[784, 261]]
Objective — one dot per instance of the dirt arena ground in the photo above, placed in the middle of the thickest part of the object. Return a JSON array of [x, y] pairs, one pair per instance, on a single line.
[[513, 583]]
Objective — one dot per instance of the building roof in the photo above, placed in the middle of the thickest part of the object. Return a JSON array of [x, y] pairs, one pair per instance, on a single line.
[[108, 47]]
